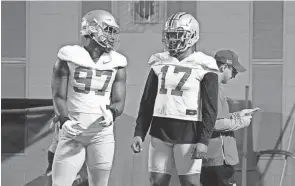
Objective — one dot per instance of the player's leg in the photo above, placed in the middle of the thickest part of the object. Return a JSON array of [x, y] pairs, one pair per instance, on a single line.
[[54, 125], [217, 175], [68, 160], [99, 159], [83, 173], [224, 174], [208, 176], [188, 169], [161, 162], [50, 156]]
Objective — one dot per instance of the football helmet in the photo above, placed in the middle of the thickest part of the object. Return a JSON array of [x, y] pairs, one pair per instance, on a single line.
[[181, 31], [102, 27]]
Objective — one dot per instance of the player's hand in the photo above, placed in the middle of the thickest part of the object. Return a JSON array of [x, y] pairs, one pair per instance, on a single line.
[[137, 144], [108, 117], [247, 112], [68, 128], [246, 120], [199, 151], [54, 123]]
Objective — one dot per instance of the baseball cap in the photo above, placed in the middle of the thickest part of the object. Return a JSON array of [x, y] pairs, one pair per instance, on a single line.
[[230, 58]]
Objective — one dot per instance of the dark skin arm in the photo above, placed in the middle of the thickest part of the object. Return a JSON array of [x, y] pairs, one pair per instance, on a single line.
[[118, 93], [59, 85]]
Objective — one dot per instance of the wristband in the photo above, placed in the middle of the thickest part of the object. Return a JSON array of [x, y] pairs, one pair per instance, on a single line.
[[114, 112], [62, 120]]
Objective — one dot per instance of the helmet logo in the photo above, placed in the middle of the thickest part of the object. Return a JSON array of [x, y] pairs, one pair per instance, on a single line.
[[101, 27], [84, 23], [230, 62], [95, 20], [92, 29]]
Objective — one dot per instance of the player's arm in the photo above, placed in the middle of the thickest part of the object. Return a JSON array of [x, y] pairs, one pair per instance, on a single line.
[[59, 85], [232, 123], [118, 93], [209, 96], [146, 108]]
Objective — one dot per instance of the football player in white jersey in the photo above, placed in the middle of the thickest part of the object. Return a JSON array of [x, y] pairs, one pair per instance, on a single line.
[[54, 126], [179, 105], [89, 88]]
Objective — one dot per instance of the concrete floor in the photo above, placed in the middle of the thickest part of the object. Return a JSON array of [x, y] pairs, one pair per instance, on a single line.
[[30, 162]]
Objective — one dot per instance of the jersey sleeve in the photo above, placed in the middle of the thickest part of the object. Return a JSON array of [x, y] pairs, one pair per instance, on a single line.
[[121, 61], [64, 53], [146, 108], [158, 58], [153, 59], [209, 96], [74, 54]]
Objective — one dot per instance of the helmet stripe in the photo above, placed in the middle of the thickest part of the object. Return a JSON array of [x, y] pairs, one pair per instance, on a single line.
[[184, 13], [172, 18], [176, 17]]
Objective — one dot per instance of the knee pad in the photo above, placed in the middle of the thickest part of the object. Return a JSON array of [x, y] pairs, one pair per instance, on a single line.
[[102, 166]]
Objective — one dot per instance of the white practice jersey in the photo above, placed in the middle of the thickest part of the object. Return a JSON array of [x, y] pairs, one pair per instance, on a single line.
[[90, 83], [179, 84]]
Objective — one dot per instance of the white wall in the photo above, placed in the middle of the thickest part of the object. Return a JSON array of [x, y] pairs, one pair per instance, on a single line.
[[51, 25], [225, 25]]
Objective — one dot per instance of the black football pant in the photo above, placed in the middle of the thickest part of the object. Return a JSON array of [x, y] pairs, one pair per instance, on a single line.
[[217, 175]]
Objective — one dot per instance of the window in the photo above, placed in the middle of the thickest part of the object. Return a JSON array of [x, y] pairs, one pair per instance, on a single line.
[[267, 71], [145, 11], [13, 28], [268, 30], [140, 16]]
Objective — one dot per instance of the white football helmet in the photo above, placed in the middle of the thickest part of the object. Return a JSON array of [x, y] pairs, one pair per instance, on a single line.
[[102, 27], [181, 32]]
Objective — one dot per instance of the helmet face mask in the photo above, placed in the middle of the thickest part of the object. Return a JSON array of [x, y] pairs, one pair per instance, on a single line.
[[181, 32], [101, 26], [105, 35], [176, 40]]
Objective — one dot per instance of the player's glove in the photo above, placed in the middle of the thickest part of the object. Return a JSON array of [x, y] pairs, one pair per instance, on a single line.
[[108, 117], [54, 123], [67, 127]]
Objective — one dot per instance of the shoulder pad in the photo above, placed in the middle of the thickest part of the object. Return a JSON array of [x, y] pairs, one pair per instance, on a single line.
[[158, 58], [208, 62], [75, 54], [118, 59], [65, 53]]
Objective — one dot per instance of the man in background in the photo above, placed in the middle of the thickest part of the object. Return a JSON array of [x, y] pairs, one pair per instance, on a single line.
[[222, 154]]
